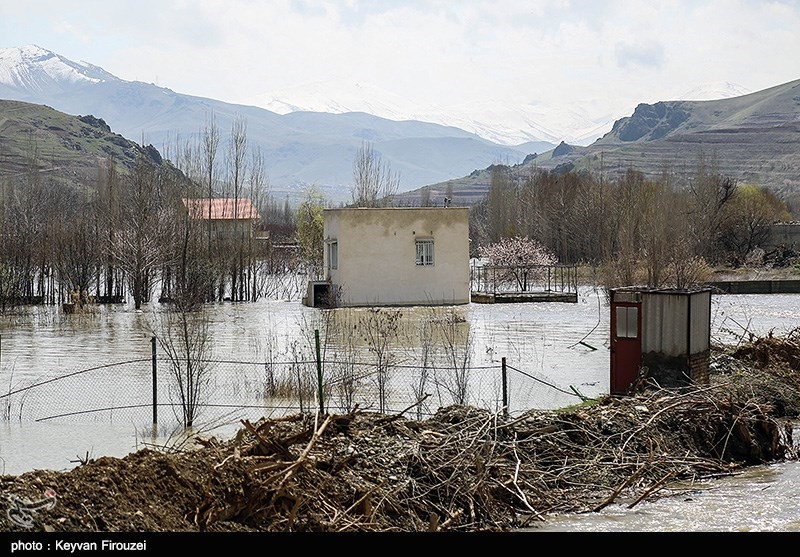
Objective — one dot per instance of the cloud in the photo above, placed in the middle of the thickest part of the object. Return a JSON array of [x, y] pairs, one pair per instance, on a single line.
[[645, 54], [78, 32], [605, 54]]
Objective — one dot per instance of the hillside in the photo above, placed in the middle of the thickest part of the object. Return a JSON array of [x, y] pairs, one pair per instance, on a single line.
[[752, 138], [66, 149], [298, 149]]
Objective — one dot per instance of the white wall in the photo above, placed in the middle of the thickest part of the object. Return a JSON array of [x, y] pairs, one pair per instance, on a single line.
[[377, 255]]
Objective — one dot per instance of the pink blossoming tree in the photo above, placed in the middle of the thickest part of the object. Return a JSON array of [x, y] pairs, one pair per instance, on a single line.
[[517, 258]]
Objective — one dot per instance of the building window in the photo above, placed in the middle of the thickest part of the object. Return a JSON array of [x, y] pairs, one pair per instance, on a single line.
[[333, 255], [424, 252]]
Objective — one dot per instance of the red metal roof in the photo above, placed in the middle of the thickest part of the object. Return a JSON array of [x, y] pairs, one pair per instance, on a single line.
[[221, 209]]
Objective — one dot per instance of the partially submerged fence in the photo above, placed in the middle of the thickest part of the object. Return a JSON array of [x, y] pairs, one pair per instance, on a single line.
[[162, 391], [489, 283]]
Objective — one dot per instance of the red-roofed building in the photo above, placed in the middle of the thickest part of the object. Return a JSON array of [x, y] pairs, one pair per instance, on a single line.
[[228, 216]]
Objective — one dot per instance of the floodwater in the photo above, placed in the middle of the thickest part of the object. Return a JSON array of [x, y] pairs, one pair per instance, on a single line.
[[553, 350], [759, 499]]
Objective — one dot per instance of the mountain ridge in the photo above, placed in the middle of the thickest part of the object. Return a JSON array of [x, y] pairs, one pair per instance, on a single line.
[[753, 138], [65, 149], [300, 149]]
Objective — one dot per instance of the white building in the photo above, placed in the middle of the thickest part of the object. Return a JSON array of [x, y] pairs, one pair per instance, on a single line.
[[394, 256]]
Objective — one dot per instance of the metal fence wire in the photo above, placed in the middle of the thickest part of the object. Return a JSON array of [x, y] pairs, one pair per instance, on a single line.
[[157, 390]]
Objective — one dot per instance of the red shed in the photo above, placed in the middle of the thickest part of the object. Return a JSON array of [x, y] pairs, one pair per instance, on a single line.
[[661, 334]]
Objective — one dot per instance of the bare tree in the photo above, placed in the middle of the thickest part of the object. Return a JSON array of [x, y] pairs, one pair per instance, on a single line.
[[657, 230], [108, 200], [25, 248], [259, 194], [182, 325], [380, 327], [501, 205], [78, 256], [454, 337], [622, 267], [184, 336], [708, 194], [374, 183], [426, 359], [145, 228], [748, 218], [344, 355], [233, 251], [210, 145]]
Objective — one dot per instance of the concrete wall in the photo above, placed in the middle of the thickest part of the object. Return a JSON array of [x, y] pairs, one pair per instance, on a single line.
[[786, 234], [757, 286], [377, 255]]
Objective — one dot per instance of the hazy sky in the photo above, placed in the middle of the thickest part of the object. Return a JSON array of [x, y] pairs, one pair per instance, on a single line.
[[606, 56]]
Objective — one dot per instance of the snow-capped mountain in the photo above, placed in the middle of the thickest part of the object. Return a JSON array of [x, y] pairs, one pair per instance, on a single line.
[[38, 70], [298, 148], [713, 91], [495, 121]]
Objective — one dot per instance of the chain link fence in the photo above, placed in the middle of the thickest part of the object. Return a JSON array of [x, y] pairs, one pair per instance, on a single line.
[[154, 390]]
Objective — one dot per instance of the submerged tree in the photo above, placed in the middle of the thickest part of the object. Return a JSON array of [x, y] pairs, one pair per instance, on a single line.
[[78, 256], [145, 228], [183, 334], [381, 327], [455, 342]]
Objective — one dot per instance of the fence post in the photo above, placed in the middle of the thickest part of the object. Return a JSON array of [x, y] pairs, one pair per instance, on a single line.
[[505, 387], [155, 382], [319, 374]]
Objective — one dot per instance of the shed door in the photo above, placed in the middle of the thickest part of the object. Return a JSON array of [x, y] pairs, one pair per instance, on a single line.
[[626, 345]]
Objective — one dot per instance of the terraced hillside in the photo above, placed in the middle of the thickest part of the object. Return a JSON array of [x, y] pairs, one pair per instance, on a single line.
[[753, 138]]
